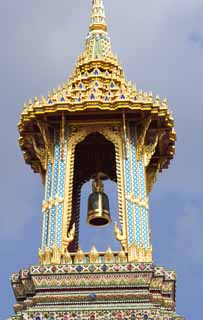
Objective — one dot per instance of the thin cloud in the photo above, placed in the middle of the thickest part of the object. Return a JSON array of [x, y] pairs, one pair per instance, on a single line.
[[189, 236], [197, 38]]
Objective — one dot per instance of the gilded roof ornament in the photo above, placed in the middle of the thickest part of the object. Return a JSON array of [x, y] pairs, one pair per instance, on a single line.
[[97, 82], [97, 42], [98, 18]]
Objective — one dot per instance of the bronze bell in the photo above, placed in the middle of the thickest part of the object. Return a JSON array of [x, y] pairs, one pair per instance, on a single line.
[[98, 205]]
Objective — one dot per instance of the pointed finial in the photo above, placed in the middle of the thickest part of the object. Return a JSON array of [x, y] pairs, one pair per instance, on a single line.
[[164, 103], [109, 256], [93, 255], [121, 258], [97, 42], [25, 105], [79, 256], [134, 88], [98, 18], [36, 101], [157, 100]]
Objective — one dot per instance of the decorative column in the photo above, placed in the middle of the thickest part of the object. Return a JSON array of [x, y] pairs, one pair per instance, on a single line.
[[139, 244], [53, 203]]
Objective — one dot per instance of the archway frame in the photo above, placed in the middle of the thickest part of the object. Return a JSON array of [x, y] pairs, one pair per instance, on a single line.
[[77, 133]]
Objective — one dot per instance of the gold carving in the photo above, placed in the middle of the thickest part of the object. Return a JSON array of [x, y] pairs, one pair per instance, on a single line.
[[45, 206], [41, 153], [109, 256], [66, 257], [120, 236], [45, 256], [121, 258], [62, 135], [149, 150], [138, 200], [48, 140], [94, 255], [56, 255], [51, 203], [79, 257], [58, 200], [48, 253], [41, 256], [70, 237], [141, 137], [139, 254], [126, 141]]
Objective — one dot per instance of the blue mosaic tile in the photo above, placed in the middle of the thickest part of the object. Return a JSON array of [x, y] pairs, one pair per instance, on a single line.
[[138, 225], [47, 196], [134, 160], [48, 181], [129, 204], [79, 268], [145, 227], [52, 227], [104, 268], [60, 191], [59, 225], [45, 230]]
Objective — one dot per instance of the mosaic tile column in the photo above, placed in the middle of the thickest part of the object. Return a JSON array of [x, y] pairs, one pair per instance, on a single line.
[[54, 195], [136, 197], [144, 204]]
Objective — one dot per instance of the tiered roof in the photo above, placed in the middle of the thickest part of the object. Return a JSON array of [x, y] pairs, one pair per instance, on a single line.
[[97, 84]]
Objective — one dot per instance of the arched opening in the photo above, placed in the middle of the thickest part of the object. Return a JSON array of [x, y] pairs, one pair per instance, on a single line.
[[94, 154]]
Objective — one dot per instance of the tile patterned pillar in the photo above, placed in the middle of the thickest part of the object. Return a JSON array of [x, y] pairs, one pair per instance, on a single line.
[[139, 245], [54, 195]]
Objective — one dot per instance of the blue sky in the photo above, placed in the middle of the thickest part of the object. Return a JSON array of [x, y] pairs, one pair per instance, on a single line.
[[160, 45]]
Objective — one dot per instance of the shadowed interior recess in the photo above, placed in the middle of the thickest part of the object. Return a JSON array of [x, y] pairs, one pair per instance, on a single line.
[[94, 154]]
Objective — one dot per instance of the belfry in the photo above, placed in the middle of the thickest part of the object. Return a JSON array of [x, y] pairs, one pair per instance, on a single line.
[[94, 127]]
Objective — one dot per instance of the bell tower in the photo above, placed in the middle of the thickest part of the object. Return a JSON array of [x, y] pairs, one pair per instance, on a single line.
[[96, 126]]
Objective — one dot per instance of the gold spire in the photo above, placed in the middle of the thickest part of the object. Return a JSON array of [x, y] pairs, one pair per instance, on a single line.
[[98, 18], [98, 43]]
